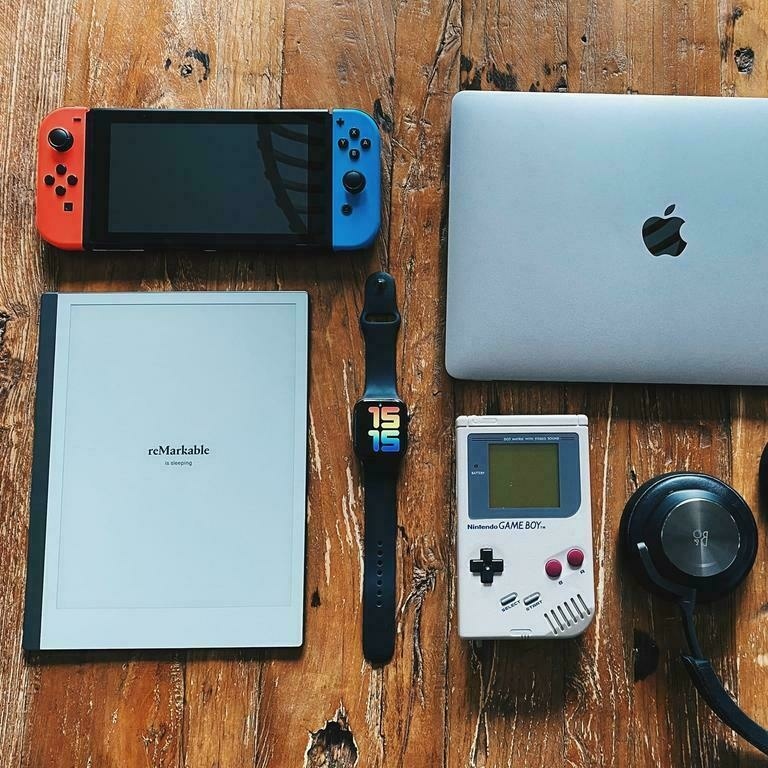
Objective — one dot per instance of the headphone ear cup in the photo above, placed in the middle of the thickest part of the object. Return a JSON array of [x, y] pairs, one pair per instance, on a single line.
[[698, 532]]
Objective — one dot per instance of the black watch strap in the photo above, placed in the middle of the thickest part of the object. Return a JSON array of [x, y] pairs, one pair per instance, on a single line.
[[379, 565], [379, 323]]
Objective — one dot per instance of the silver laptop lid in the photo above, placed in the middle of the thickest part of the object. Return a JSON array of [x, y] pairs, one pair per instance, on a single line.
[[566, 257]]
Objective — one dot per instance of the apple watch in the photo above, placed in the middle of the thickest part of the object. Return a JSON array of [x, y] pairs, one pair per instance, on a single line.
[[379, 431]]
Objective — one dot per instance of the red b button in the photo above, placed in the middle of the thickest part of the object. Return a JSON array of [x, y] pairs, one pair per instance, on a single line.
[[575, 557], [553, 568]]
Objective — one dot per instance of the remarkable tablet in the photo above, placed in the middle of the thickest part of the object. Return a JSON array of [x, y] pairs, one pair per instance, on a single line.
[[168, 489]]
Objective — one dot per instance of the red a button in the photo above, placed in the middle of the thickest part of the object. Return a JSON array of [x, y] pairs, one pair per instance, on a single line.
[[575, 557]]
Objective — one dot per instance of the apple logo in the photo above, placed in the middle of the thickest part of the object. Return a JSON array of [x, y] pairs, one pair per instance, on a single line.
[[662, 235]]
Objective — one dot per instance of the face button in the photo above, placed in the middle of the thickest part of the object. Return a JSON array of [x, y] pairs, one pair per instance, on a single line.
[[553, 568], [354, 133], [354, 154], [60, 139], [71, 179], [365, 143], [60, 191], [49, 180], [61, 169], [486, 566], [354, 182], [343, 143], [346, 209], [575, 557]]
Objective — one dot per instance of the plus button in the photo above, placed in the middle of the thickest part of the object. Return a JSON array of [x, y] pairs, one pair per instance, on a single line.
[[486, 566]]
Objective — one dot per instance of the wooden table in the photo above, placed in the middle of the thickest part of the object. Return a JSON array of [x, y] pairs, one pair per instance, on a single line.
[[440, 702]]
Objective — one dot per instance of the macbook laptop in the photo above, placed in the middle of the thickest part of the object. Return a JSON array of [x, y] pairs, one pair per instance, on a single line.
[[608, 238]]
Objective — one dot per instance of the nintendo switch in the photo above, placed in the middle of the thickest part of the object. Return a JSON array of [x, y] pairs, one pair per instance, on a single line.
[[524, 530], [130, 179]]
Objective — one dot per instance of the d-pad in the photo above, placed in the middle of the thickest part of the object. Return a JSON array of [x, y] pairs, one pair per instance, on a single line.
[[486, 566]]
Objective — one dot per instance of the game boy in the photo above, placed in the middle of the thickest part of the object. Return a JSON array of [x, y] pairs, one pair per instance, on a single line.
[[524, 530]]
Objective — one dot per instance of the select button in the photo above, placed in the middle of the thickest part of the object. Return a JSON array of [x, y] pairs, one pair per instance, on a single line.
[[508, 599]]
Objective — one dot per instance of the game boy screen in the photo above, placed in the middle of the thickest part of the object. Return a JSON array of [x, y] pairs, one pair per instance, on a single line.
[[524, 475]]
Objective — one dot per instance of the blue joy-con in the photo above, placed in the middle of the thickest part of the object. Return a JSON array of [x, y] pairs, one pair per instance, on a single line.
[[356, 169]]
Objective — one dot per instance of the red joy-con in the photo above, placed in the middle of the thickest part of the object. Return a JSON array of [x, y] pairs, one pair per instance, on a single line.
[[60, 178]]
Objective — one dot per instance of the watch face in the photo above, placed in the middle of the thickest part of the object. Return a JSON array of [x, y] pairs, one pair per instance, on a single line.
[[379, 430]]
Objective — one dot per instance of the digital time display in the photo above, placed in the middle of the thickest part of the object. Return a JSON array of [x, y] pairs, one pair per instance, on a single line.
[[385, 431], [380, 429]]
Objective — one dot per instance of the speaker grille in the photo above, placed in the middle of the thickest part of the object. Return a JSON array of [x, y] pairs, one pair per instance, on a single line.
[[567, 614]]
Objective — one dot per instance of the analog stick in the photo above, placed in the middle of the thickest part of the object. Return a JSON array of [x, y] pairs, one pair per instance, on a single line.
[[354, 182], [60, 139]]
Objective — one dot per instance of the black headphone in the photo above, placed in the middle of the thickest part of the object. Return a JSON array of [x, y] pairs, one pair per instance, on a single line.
[[691, 538]]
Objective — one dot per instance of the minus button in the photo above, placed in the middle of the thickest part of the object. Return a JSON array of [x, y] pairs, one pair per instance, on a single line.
[[507, 599]]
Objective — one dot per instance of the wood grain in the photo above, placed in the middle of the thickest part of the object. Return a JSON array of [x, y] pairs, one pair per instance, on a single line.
[[30, 38], [442, 701]]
